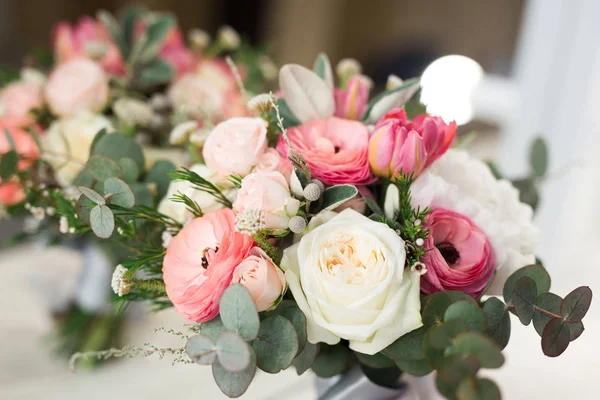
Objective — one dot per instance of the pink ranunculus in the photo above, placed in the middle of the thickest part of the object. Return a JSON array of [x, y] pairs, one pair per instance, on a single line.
[[235, 145], [460, 256], [76, 86], [263, 279], [398, 143], [351, 103], [200, 262], [19, 98], [268, 192], [335, 149], [271, 160], [70, 41]]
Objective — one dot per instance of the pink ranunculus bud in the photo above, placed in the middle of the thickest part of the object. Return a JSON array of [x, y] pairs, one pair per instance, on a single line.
[[263, 279], [19, 98], [399, 143], [459, 256], [76, 86], [351, 103], [200, 263]]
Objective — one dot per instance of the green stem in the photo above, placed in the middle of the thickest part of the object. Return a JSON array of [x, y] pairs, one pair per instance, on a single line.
[[263, 242], [149, 285]]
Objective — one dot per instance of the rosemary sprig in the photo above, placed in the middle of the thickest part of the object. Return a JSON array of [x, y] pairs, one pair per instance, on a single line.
[[202, 184]]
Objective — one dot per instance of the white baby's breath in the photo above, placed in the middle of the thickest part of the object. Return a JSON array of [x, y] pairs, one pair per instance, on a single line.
[[120, 284], [63, 225], [250, 221], [181, 133]]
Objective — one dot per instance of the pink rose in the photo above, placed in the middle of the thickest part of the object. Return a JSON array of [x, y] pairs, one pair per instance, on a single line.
[[11, 193], [269, 193], [351, 103], [18, 99], [235, 145], [76, 86], [200, 262], [413, 145], [75, 41], [263, 279], [271, 160], [460, 256], [335, 149]]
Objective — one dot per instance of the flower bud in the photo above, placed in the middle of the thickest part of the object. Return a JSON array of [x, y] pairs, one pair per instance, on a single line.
[[297, 224], [348, 67], [199, 39], [260, 103], [229, 38], [312, 192]]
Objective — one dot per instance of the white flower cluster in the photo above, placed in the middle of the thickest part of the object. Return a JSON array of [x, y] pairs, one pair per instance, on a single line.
[[120, 284]]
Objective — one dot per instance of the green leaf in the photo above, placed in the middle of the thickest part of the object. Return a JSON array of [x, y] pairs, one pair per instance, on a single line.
[[154, 37], [159, 175], [305, 359], [480, 346], [276, 344], [289, 119], [131, 171], [407, 347], [102, 221], [112, 25], [536, 272], [143, 195], [528, 191], [576, 304], [386, 377], [10, 140], [434, 310], [373, 206], [389, 99], [92, 195], [119, 193], [322, 67], [498, 320], [330, 360], [8, 164], [83, 178], [334, 196], [128, 18], [101, 168], [414, 368], [201, 349], [440, 336], [84, 208], [117, 146], [154, 73], [524, 296], [455, 369], [234, 384], [549, 302], [238, 312], [467, 311], [538, 157], [212, 328], [555, 338], [233, 352], [297, 318], [478, 389], [103, 132], [575, 330], [377, 360]]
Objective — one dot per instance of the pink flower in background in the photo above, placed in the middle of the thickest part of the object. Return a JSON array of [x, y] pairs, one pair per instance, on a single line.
[[335, 149], [263, 279], [398, 143], [200, 262], [351, 103], [272, 161], [79, 40], [460, 256], [11, 193], [19, 98], [75, 86]]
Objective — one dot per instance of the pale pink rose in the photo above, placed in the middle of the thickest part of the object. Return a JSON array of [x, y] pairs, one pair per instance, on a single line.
[[18, 99], [24, 143], [398, 143], [76, 86], [459, 255], [335, 149], [271, 160], [351, 103], [235, 145], [263, 279], [11, 193], [70, 41], [200, 262], [268, 192], [357, 203]]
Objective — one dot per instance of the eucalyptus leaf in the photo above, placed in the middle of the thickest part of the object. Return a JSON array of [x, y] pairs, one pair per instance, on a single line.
[[322, 68], [524, 297], [131, 171], [436, 306], [454, 369], [119, 145], [575, 330], [102, 168], [234, 384], [538, 157], [377, 360], [213, 328], [334, 196], [330, 360], [84, 208], [8, 164], [102, 221], [305, 359], [407, 347], [289, 119], [556, 337], [480, 346], [414, 368], [159, 175], [113, 27], [528, 191], [83, 178], [549, 302], [276, 344], [386, 377], [478, 389], [238, 312], [469, 312], [536, 272], [154, 73], [233, 352], [576, 304], [119, 193], [143, 194], [440, 336], [498, 320], [201, 349], [154, 36], [297, 318], [92, 195]]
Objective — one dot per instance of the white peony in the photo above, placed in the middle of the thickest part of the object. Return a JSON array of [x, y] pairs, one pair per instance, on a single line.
[[207, 202], [348, 278], [463, 184], [67, 144]]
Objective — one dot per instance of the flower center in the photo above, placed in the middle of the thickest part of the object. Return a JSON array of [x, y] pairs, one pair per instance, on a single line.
[[207, 255], [449, 252]]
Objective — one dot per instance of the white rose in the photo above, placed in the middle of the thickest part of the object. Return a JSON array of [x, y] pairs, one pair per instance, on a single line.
[[68, 142], [207, 202], [348, 278], [463, 184]]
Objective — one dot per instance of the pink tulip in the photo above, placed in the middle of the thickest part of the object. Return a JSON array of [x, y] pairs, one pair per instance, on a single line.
[[398, 143], [459, 255], [351, 103], [200, 263]]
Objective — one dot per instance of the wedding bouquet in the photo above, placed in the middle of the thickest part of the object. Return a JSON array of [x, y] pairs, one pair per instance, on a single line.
[[121, 88], [326, 231]]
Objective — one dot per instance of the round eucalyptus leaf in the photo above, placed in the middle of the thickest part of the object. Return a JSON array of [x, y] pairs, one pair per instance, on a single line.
[[389, 377], [536, 272], [480, 346], [159, 175], [576, 304], [275, 333], [555, 338], [102, 168], [377, 360], [297, 318], [434, 310], [305, 359], [212, 328], [233, 352], [102, 221], [478, 389], [575, 330], [415, 367], [498, 319], [143, 194], [84, 208], [119, 145], [408, 347], [239, 314], [201, 349], [92, 195], [539, 157], [549, 302], [467, 311], [330, 360], [119, 193], [524, 297], [440, 336], [131, 171], [455, 369], [234, 384]]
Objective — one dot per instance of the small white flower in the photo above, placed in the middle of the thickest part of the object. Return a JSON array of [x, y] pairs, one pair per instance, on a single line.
[[45, 193], [348, 67], [27, 206], [419, 267], [51, 211], [199, 39], [417, 222], [166, 238], [134, 112], [260, 103], [159, 102], [393, 82], [95, 49], [181, 133], [63, 225], [268, 68], [120, 283], [198, 137], [38, 213], [32, 75], [419, 242], [228, 37], [250, 221]]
